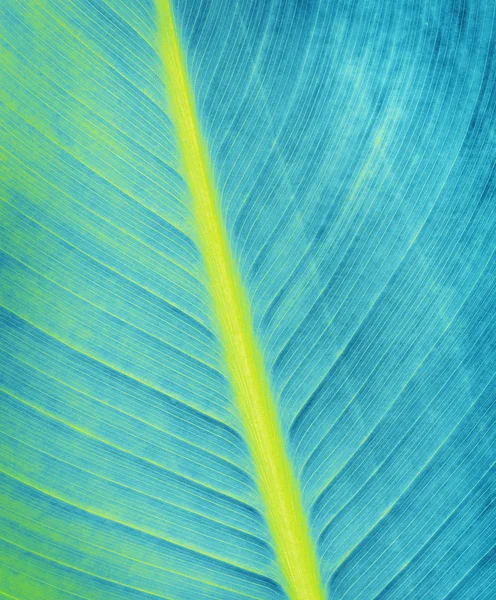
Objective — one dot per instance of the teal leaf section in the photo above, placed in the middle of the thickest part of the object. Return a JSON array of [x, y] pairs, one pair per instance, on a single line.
[[353, 147]]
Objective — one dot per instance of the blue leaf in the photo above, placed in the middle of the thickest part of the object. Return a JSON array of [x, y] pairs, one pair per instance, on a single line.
[[247, 300]]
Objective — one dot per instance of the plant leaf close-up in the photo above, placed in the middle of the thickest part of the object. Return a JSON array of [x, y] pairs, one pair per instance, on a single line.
[[247, 300]]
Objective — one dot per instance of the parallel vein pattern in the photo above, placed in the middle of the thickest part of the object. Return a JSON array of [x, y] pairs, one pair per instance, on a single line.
[[109, 343], [354, 146], [354, 149]]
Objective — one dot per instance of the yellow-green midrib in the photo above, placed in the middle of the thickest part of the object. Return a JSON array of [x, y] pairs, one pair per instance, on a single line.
[[280, 493]]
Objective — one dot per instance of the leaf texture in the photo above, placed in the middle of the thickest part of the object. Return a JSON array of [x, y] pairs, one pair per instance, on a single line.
[[247, 300]]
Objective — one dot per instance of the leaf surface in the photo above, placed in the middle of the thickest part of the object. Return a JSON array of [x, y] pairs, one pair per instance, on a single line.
[[247, 300]]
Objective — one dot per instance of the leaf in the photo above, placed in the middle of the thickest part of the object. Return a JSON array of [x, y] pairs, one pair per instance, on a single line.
[[247, 300]]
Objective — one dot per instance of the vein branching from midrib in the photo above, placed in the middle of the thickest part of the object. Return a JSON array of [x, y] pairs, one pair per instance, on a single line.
[[280, 493]]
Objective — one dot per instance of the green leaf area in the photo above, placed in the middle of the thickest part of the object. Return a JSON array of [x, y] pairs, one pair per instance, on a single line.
[[247, 300]]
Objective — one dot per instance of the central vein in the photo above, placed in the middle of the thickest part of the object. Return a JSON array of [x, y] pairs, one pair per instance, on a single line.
[[280, 493]]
